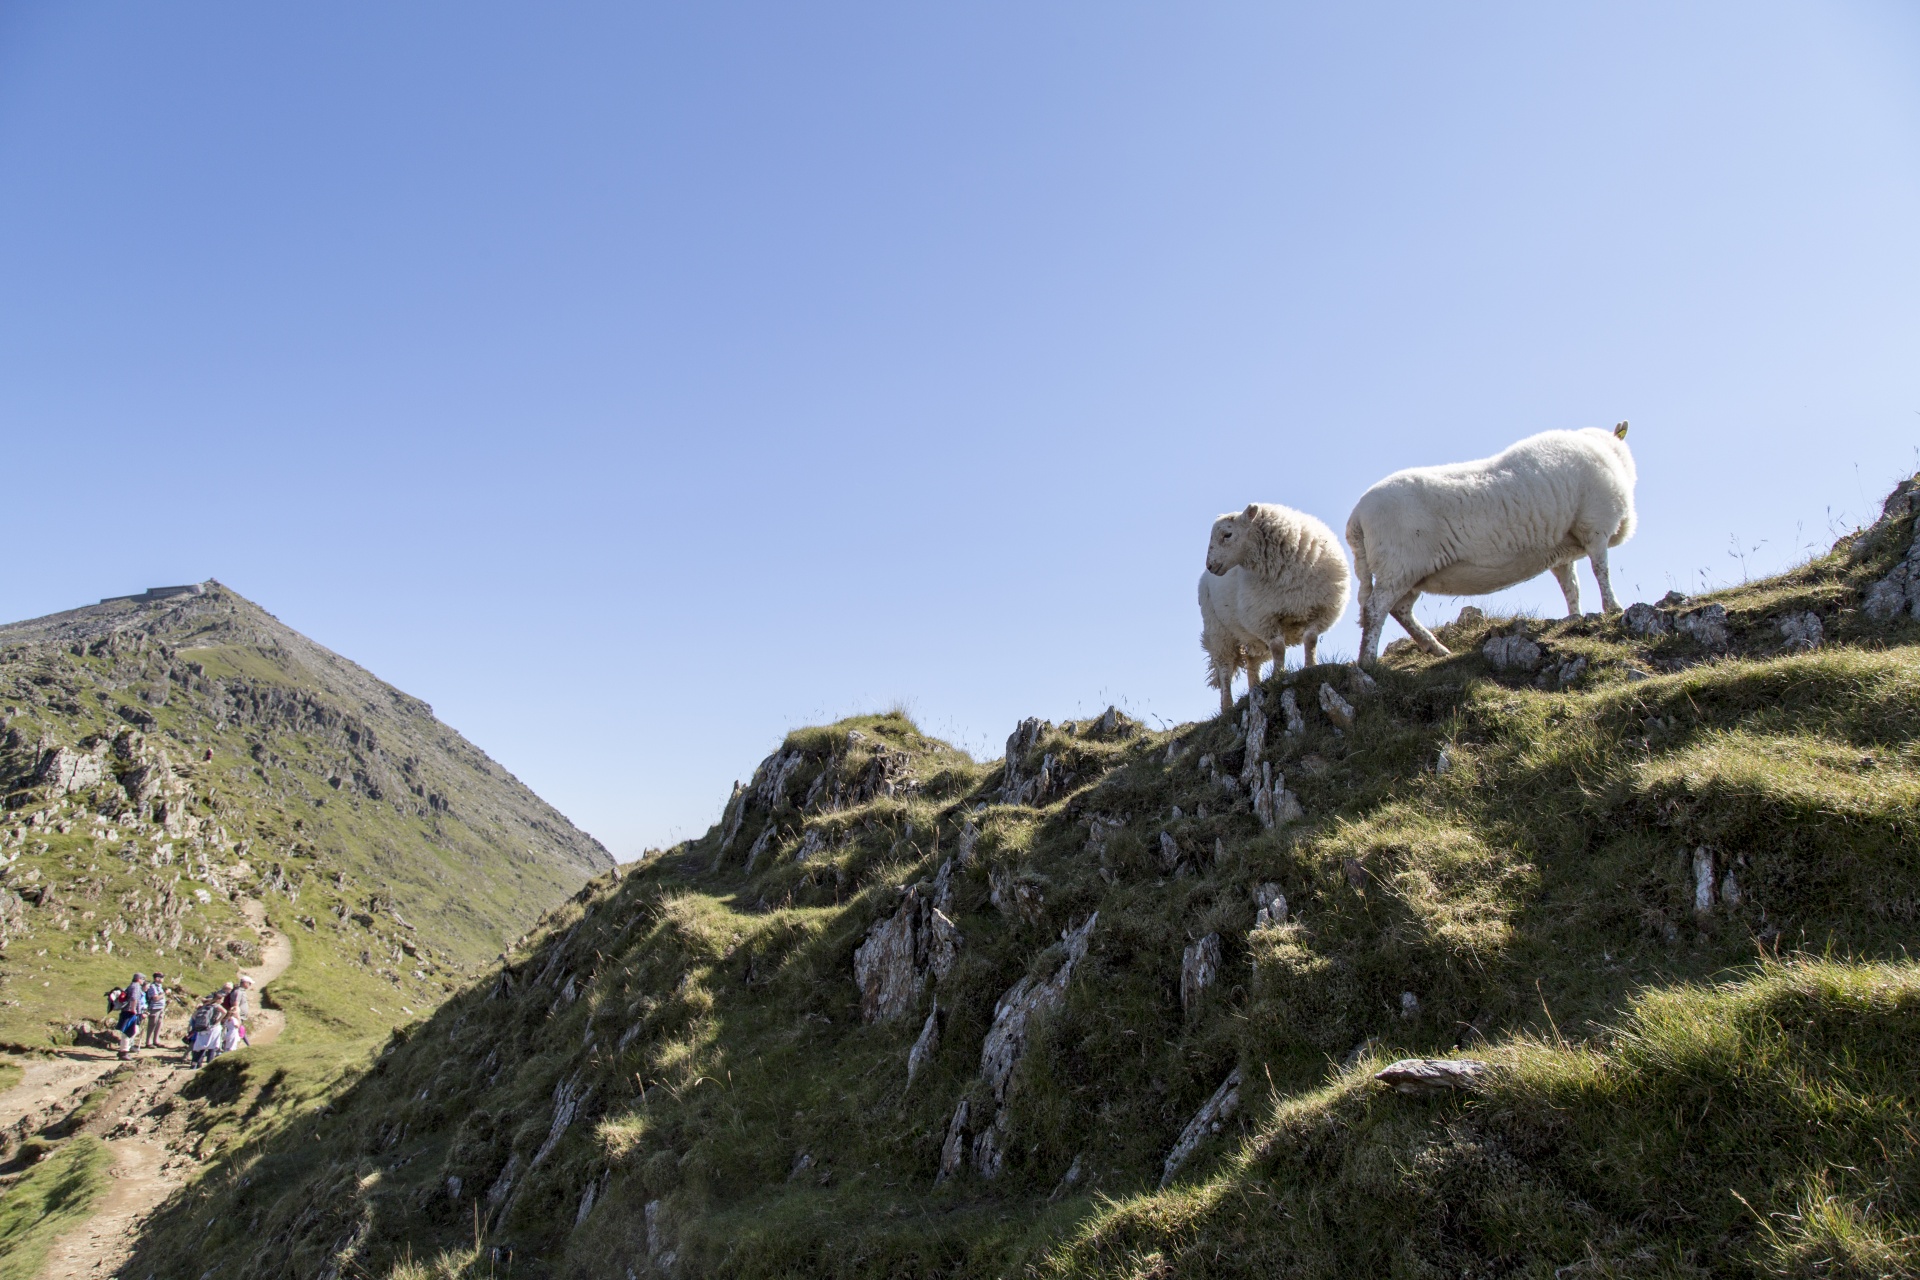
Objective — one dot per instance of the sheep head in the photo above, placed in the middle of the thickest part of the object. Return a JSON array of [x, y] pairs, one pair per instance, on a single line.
[[1231, 540]]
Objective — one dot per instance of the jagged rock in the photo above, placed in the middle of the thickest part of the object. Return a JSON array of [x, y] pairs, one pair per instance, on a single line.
[[760, 844], [927, 1045], [1702, 880], [1270, 907], [953, 1152], [1273, 804], [1006, 1039], [1802, 631], [1338, 709], [1409, 1004], [1359, 683], [1209, 1120], [1431, 1075], [569, 1096], [1559, 677], [658, 1254], [1470, 615], [736, 811], [1730, 890], [943, 887], [892, 965], [1199, 968], [1707, 625], [1256, 727], [990, 1147], [769, 785], [68, 769], [1069, 1181], [1290, 712], [1443, 762], [815, 841], [1898, 594], [1356, 872], [1018, 786], [1169, 851], [1647, 621], [1511, 653]]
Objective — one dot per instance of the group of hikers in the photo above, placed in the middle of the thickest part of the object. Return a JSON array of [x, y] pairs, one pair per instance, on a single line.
[[217, 1025]]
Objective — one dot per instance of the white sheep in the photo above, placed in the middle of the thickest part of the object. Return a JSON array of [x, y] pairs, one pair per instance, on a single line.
[[1279, 578], [1229, 645], [1472, 527]]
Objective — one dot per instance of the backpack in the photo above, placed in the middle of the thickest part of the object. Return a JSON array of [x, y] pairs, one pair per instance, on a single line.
[[202, 1018], [116, 1000]]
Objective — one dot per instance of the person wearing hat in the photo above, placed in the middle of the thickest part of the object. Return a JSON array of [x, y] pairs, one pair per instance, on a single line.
[[131, 1012], [156, 1009]]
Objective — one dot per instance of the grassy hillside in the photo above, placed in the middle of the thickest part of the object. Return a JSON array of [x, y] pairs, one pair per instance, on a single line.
[[1659, 873]]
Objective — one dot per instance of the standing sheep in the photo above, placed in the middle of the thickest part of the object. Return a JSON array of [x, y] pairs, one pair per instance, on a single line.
[[1469, 528], [1282, 580], [1228, 642]]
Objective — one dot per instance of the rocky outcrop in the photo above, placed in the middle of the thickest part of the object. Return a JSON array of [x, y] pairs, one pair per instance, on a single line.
[[1023, 781], [1209, 1120], [1431, 1075], [1199, 969], [1516, 652], [926, 1045], [1027, 999], [1338, 709], [1273, 804], [1898, 594], [1803, 632], [1706, 625], [900, 953], [64, 770], [1270, 907]]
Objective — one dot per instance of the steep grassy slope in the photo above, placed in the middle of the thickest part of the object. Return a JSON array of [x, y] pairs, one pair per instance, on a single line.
[[1663, 878], [164, 760]]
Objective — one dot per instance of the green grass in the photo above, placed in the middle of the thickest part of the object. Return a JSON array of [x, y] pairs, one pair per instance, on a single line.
[[1674, 1093], [52, 1197], [10, 1075]]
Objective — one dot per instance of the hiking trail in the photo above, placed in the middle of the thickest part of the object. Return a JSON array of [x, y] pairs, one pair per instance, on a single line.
[[139, 1122]]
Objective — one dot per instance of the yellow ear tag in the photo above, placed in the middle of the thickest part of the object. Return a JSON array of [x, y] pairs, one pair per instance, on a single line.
[[1620, 432]]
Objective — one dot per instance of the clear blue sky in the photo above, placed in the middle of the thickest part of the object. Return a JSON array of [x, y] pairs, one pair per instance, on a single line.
[[636, 381]]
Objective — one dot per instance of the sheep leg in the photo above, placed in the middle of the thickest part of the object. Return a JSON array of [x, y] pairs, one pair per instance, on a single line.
[[1569, 587], [1310, 645], [1597, 557], [1226, 697], [1372, 622], [1403, 614], [1253, 672]]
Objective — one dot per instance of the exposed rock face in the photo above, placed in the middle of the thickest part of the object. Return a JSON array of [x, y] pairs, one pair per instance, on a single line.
[[1256, 721], [926, 1045], [1023, 784], [900, 953], [1209, 1120], [1560, 675], [1647, 621], [68, 769], [1702, 880], [1338, 709], [1803, 632], [1199, 969], [1898, 594], [1431, 1075], [1290, 712], [1014, 895], [1273, 804], [953, 1152], [1707, 625], [1270, 905], [1007, 1037], [1511, 653]]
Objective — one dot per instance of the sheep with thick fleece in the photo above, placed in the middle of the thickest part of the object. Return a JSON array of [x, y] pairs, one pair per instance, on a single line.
[[1291, 585], [1229, 644], [1469, 528]]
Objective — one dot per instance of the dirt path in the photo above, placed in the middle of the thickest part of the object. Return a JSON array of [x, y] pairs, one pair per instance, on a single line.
[[51, 1080], [142, 1128]]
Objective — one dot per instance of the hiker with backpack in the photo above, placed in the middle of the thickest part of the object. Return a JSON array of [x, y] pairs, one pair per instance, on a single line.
[[156, 992], [206, 1030], [129, 1005]]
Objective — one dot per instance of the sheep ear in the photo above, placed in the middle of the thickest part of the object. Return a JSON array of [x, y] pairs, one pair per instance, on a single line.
[[1248, 513], [1620, 432]]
